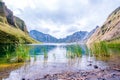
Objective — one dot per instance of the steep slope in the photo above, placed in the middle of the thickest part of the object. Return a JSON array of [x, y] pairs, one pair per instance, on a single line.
[[39, 36], [7, 17], [12, 29], [90, 34], [110, 30], [76, 37]]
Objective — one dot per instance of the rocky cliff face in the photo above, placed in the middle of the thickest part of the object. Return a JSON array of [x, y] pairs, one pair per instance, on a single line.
[[12, 28], [6, 16], [110, 29], [21, 24]]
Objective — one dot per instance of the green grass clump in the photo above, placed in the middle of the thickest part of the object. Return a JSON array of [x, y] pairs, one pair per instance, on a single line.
[[104, 48], [20, 53], [45, 53], [100, 49], [114, 44], [74, 51]]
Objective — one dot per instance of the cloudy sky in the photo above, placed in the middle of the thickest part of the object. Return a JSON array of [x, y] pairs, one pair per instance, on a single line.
[[62, 17]]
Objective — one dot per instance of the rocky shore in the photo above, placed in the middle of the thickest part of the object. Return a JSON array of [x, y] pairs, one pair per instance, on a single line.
[[110, 73], [98, 74]]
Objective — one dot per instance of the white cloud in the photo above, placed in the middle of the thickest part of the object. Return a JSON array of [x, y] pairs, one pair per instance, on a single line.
[[17, 4], [62, 17]]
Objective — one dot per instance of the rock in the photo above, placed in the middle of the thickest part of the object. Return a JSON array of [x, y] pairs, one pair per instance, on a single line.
[[89, 65], [10, 17], [113, 75], [21, 24], [46, 76], [95, 66], [117, 69], [23, 78], [101, 79], [84, 74]]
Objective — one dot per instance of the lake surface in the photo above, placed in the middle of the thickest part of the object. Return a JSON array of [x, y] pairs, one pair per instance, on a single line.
[[53, 58]]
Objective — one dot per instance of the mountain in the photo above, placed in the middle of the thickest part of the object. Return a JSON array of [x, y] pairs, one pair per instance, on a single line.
[[76, 37], [90, 34], [39, 36], [12, 28], [110, 30]]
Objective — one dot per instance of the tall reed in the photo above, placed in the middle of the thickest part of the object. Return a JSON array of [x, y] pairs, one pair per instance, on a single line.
[[100, 49], [74, 51]]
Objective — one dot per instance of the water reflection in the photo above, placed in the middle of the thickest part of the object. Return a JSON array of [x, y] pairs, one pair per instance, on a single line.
[[40, 49], [54, 58]]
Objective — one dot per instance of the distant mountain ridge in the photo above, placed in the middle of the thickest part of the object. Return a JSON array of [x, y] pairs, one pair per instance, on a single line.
[[75, 37], [90, 34], [39, 36]]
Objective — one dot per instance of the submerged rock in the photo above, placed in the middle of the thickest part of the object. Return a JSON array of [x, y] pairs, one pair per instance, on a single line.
[[89, 65], [95, 66]]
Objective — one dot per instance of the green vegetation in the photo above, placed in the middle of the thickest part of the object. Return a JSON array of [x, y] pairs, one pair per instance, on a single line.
[[102, 48], [20, 54], [73, 51], [9, 34], [45, 52], [114, 44]]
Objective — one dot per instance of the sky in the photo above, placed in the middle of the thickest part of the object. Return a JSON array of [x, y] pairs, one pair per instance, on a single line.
[[60, 18]]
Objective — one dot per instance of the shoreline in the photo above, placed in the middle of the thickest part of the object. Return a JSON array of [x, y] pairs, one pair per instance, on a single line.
[[5, 69], [97, 74], [109, 73]]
